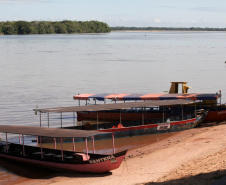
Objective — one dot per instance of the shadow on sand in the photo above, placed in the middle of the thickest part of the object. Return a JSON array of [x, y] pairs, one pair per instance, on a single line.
[[212, 178]]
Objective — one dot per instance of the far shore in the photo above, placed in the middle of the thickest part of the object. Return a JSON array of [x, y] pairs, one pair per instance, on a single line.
[[195, 156], [147, 31]]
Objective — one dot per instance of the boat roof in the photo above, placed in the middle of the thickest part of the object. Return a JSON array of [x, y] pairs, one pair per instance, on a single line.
[[161, 96], [49, 132], [114, 106]]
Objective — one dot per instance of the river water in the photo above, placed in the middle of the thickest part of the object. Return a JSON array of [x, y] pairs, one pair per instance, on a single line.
[[47, 70]]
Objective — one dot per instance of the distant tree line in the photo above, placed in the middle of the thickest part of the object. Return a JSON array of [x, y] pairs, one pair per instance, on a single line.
[[47, 27], [121, 28]]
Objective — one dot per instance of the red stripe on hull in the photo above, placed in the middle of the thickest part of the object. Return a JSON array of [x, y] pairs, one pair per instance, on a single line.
[[145, 126]]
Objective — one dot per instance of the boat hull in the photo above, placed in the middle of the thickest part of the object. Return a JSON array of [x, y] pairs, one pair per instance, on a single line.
[[215, 116], [151, 129], [147, 129], [99, 165]]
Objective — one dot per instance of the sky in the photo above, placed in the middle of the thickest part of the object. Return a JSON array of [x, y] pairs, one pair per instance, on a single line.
[[142, 13]]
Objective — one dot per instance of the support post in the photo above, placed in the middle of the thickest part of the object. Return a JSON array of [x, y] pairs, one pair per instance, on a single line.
[[40, 119], [97, 120], [73, 144], [73, 118], [93, 145], [41, 147], [163, 114], [195, 111], [61, 124], [142, 116], [7, 147], [182, 116], [62, 153], [120, 116], [113, 142], [37, 140], [23, 145], [55, 143], [48, 120], [86, 147], [19, 139]]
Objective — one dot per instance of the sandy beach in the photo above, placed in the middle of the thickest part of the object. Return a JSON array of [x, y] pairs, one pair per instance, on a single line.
[[196, 156]]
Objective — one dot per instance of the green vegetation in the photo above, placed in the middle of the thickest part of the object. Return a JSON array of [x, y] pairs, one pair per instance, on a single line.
[[46, 27], [121, 28]]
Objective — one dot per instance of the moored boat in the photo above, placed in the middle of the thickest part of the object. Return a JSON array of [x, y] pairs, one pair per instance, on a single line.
[[206, 101], [177, 121], [58, 159]]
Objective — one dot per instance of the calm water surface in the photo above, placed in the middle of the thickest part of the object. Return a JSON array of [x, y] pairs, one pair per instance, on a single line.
[[47, 70]]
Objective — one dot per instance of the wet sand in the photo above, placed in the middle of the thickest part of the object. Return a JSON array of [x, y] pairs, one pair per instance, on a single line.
[[196, 156]]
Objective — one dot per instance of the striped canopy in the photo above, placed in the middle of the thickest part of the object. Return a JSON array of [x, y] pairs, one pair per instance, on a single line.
[[126, 97]]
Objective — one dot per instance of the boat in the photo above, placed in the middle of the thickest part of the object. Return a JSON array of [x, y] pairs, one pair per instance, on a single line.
[[206, 101], [54, 158], [172, 122]]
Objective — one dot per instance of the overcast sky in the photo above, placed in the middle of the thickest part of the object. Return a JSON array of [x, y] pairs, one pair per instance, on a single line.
[[140, 13]]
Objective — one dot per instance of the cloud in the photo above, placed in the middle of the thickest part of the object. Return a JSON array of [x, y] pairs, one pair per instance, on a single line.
[[157, 21]]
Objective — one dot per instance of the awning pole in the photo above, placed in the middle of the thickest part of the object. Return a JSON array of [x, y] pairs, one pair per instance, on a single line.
[[113, 142], [86, 147], [120, 117], [61, 119], [142, 116], [23, 145], [182, 113], [93, 145], [41, 147], [37, 140], [40, 119], [19, 139], [55, 143], [73, 118], [195, 111], [62, 153], [163, 113], [74, 144], [48, 120], [97, 120], [7, 147]]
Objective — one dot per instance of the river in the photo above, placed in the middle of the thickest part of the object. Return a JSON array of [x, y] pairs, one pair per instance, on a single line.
[[47, 70]]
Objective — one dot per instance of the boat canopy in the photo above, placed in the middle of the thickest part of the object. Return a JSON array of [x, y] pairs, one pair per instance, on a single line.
[[115, 106], [49, 132], [163, 96]]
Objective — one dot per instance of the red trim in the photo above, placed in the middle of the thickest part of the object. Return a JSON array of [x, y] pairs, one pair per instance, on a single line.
[[145, 126]]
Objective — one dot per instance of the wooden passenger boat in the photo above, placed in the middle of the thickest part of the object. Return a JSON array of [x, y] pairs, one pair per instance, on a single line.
[[173, 123], [206, 101], [58, 159]]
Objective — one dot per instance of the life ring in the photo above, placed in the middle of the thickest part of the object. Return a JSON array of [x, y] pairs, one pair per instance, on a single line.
[[79, 118]]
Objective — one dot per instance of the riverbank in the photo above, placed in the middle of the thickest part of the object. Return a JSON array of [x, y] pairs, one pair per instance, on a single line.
[[196, 156]]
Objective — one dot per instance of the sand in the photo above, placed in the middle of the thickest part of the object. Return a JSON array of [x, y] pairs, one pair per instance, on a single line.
[[196, 156]]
